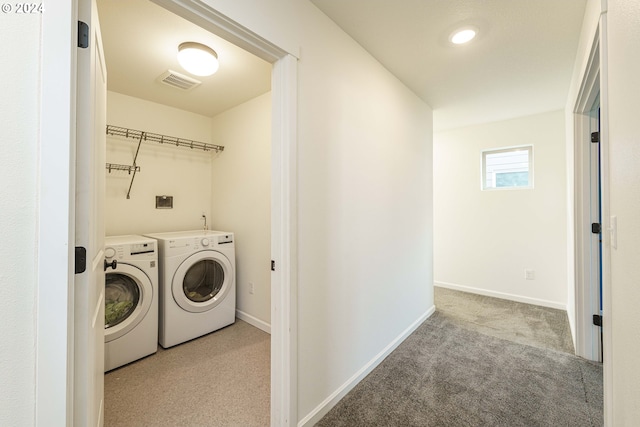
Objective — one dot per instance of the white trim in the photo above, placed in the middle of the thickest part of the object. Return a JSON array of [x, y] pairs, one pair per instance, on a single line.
[[284, 249], [584, 338], [323, 408], [284, 85], [607, 346], [502, 295], [55, 234], [211, 20], [253, 321], [586, 335]]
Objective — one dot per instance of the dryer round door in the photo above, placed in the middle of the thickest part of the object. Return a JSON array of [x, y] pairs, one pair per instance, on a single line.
[[127, 299], [202, 281]]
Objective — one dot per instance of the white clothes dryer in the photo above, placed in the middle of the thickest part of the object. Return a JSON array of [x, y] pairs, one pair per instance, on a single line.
[[197, 278], [131, 299]]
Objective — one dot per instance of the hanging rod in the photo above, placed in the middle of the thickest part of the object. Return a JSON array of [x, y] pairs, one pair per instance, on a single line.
[[126, 168], [161, 139]]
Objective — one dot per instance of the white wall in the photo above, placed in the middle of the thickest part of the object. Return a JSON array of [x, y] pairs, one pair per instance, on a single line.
[[364, 198], [623, 17], [19, 136], [180, 172], [242, 199], [484, 240]]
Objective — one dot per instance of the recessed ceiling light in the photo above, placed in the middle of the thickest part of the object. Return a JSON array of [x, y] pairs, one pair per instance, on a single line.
[[198, 59], [463, 35]]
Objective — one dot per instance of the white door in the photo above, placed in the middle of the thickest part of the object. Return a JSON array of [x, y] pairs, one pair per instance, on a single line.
[[90, 164], [595, 216]]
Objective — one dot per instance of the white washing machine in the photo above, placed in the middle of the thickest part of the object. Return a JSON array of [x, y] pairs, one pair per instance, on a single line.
[[197, 284], [131, 299]]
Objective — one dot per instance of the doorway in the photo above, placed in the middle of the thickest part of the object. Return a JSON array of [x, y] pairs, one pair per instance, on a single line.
[[55, 377], [283, 78]]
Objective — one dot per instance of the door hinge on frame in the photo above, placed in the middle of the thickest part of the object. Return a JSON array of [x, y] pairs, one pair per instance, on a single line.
[[83, 35], [595, 136], [80, 260], [597, 320], [596, 228], [273, 265]]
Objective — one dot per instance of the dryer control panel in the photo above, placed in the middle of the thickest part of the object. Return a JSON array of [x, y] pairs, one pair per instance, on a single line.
[[209, 242], [178, 243], [225, 238]]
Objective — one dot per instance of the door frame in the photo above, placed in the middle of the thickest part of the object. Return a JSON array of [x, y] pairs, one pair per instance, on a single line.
[[56, 193], [593, 85], [586, 336]]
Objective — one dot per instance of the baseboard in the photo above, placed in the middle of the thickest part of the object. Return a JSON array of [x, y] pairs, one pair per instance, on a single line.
[[501, 295], [321, 410], [572, 329], [253, 321]]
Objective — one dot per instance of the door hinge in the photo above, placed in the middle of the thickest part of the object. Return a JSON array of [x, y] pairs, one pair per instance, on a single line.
[[595, 136], [596, 228], [83, 35], [273, 265], [81, 260], [597, 320]]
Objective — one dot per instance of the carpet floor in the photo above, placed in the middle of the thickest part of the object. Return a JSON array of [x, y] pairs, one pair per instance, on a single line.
[[220, 379], [449, 373], [528, 324]]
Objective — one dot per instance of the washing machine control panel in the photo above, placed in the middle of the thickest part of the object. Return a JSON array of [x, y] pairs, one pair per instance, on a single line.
[[146, 250], [142, 248]]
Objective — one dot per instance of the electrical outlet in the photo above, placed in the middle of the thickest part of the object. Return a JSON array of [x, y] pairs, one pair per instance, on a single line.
[[252, 288], [529, 274]]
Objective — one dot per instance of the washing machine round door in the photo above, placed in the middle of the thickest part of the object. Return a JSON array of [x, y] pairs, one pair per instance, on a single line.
[[202, 281], [127, 298]]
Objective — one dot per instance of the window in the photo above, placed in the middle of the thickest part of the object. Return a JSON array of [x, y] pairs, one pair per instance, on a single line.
[[507, 168]]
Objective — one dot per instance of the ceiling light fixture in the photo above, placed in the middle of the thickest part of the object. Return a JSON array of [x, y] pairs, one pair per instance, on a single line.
[[198, 59], [463, 35]]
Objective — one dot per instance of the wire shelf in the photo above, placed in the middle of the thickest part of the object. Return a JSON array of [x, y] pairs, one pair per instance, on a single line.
[[127, 168], [161, 139]]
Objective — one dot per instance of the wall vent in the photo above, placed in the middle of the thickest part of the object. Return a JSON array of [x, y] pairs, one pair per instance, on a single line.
[[177, 80]]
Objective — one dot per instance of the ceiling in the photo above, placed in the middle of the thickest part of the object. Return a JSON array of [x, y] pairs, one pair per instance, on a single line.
[[141, 41], [520, 63]]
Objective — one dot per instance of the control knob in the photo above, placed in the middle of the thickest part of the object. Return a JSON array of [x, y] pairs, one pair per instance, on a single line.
[[109, 252]]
